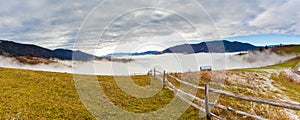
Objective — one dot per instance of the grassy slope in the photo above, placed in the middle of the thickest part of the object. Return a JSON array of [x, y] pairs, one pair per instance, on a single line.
[[285, 65], [39, 95], [43, 95], [288, 49], [281, 80], [290, 88]]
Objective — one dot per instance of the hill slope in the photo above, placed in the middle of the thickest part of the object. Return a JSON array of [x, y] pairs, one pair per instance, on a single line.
[[133, 54], [286, 49], [212, 46], [75, 55], [13, 49]]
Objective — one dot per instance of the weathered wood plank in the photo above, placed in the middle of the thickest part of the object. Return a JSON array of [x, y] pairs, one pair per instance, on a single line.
[[174, 89], [207, 110], [289, 105]]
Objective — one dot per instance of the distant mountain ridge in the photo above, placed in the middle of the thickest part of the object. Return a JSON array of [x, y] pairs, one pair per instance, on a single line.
[[133, 54], [221, 46], [75, 55], [13, 49]]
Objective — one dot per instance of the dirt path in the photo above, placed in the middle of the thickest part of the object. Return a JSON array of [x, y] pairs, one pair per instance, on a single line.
[[260, 83], [280, 94]]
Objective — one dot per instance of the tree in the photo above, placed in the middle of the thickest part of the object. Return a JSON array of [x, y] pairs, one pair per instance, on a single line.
[[266, 47]]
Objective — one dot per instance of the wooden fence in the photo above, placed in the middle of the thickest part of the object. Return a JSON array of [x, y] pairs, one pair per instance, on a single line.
[[209, 115]]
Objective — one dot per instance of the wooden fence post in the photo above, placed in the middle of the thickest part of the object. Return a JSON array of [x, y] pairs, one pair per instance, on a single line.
[[154, 72], [164, 79], [149, 72], [207, 110]]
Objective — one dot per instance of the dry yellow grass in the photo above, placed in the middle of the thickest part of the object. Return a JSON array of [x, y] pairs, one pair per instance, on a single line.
[[44, 95]]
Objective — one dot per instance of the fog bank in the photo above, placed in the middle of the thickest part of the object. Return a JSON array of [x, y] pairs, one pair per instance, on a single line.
[[168, 62]]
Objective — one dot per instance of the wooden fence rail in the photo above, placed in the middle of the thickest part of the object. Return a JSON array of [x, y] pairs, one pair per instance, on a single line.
[[181, 94], [289, 105], [213, 104]]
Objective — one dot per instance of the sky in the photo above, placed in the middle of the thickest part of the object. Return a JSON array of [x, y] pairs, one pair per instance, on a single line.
[[267, 39], [105, 26]]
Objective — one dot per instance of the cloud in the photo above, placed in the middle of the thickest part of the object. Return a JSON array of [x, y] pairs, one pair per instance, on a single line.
[[281, 18], [42, 22], [55, 23]]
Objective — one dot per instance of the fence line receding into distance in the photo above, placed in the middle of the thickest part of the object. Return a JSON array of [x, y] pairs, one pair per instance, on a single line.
[[209, 115]]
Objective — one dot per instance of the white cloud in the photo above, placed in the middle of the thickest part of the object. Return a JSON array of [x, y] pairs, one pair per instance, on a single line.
[[282, 18], [54, 23]]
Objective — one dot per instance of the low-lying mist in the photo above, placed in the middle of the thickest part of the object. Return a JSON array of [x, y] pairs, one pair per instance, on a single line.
[[168, 62], [256, 59], [8, 62]]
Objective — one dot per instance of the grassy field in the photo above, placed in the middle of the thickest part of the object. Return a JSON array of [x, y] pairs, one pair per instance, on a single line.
[[28, 94], [39, 95], [287, 49], [285, 65], [290, 64]]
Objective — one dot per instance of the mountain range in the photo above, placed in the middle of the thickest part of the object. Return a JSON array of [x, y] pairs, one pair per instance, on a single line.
[[221, 46], [75, 55], [134, 54], [13, 49]]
